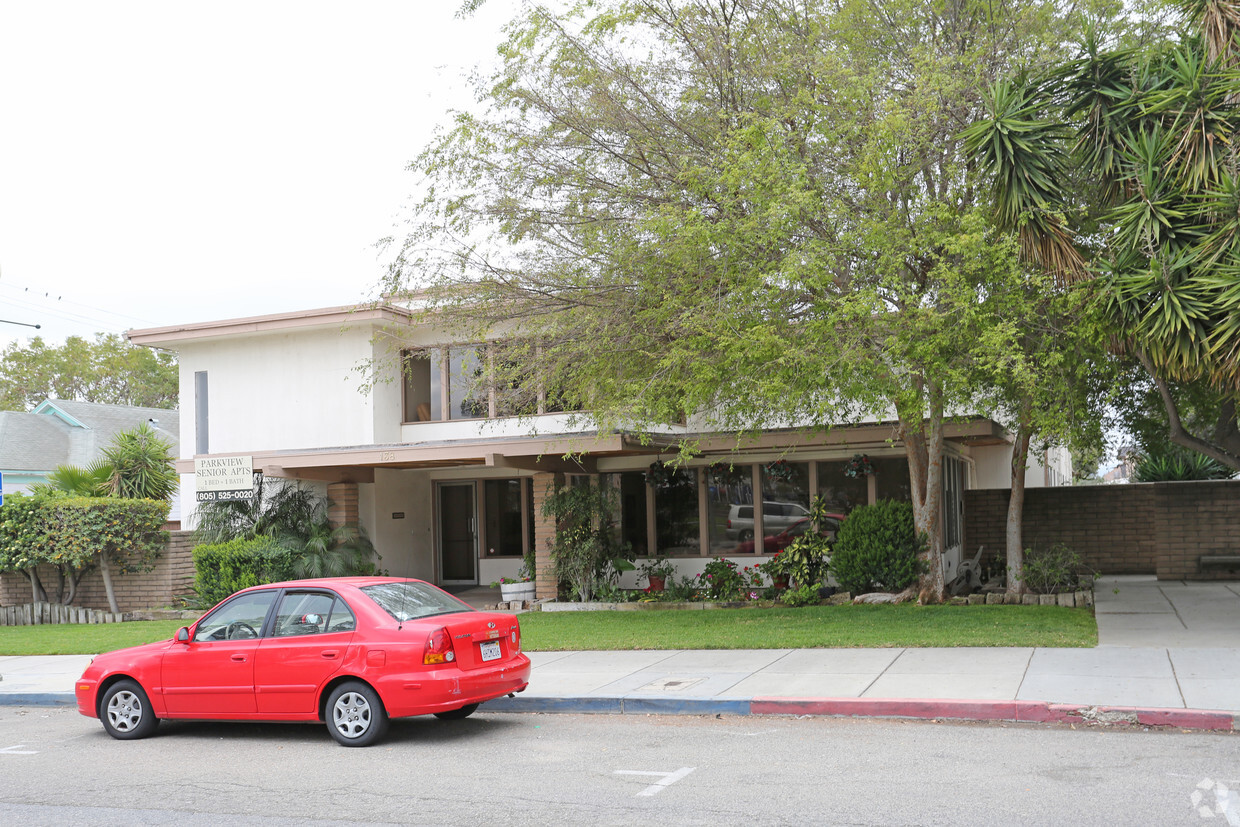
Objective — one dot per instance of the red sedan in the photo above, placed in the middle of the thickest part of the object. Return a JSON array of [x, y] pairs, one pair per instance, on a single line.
[[352, 652]]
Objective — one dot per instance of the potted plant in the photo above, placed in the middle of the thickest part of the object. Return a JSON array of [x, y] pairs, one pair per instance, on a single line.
[[777, 568], [657, 570], [520, 587]]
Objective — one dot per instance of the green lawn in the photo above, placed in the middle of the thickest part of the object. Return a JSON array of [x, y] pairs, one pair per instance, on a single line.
[[811, 627], [83, 638]]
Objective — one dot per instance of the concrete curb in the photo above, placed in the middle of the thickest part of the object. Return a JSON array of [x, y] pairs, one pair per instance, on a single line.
[[37, 699], [1028, 712], [1031, 712]]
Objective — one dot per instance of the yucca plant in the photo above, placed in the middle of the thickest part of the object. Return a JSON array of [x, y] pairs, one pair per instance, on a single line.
[[140, 463], [1178, 466]]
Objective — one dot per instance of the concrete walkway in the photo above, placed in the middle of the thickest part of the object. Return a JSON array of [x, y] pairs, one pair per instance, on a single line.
[[1169, 654]]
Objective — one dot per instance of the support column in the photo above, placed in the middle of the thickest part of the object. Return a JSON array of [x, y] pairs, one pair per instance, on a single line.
[[343, 509], [545, 583]]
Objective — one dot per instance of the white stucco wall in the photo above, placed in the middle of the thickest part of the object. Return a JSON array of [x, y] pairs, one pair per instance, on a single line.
[[405, 544], [993, 467], [289, 390]]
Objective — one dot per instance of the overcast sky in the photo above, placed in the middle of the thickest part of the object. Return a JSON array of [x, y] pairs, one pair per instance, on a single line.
[[169, 162]]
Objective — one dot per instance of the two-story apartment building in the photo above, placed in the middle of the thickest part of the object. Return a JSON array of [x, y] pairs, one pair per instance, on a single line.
[[449, 487]]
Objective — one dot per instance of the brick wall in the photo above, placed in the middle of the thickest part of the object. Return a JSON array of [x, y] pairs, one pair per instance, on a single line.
[[545, 582], [172, 577], [1142, 528]]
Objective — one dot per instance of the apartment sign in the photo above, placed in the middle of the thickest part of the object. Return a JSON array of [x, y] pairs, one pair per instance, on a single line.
[[224, 478]]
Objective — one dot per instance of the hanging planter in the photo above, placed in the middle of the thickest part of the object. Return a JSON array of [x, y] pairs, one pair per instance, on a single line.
[[728, 474], [779, 470], [859, 466], [661, 475]]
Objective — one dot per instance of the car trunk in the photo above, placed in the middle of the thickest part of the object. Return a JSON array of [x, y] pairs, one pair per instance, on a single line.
[[483, 639]]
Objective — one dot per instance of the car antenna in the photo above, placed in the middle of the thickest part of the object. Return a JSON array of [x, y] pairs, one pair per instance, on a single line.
[[404, 594]]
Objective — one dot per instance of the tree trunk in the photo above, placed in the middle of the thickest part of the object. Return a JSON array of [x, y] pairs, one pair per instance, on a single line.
[[35, 590], [105, 569], [923, 440], [1016, 510]]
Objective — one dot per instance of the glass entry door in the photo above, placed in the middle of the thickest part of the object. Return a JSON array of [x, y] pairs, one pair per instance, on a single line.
[[458, 533]]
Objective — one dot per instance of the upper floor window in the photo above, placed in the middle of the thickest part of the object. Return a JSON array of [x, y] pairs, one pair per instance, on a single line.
[[423, 396], [472, 381]]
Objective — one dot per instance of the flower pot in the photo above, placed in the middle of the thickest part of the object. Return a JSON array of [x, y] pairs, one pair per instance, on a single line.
[[516, 591], [657, 584], [781, 582]]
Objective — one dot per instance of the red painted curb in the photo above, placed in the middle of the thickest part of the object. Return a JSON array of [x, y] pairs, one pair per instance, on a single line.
[[1018, 711]]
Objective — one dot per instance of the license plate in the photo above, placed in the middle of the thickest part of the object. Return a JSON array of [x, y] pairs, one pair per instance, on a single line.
[[490, 651]]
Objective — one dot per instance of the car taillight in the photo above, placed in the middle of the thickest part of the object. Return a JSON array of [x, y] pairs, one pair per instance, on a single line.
[[439, 648], [729, 522], [516, 640]]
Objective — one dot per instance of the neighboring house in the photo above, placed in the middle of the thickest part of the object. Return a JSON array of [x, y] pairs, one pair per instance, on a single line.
[[450, 490], [59, 432]]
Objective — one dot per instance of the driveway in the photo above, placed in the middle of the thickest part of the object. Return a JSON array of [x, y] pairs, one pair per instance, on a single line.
[[1142, 611]]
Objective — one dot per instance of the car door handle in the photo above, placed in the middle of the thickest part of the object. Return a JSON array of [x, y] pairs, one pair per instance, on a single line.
[[239, 658], [329, 653]]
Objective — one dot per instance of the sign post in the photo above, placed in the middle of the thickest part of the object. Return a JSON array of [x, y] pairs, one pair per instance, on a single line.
[[224, 478]]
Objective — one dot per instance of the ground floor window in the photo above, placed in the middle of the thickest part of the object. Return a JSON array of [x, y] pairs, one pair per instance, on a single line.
[[711, 511], [676, 521], [504, 514]]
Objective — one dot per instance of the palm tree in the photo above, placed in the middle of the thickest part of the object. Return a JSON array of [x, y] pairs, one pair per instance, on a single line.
[[71, 481], [1149, 134]]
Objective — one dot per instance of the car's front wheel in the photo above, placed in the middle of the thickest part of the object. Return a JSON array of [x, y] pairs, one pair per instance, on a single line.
[[126, 712], [457, 714], [355, 715]]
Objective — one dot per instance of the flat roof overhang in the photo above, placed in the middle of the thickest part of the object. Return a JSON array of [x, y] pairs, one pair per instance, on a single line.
[[170, 336], [573, 453]]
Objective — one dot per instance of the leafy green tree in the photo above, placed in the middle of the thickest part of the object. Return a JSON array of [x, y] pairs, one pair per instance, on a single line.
[[749, 210], [136, 465], [1122, 166], [107, 369]]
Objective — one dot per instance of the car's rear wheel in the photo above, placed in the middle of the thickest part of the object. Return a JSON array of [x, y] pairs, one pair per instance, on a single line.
[[126, 712], [457, 714], [355, 715]]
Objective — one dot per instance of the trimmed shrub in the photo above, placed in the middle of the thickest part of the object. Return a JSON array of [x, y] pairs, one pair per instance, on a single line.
[[223, 568], [1052, 570], [877, 548]]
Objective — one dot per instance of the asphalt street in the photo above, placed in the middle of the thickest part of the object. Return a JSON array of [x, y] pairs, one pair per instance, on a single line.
[[58, 768]]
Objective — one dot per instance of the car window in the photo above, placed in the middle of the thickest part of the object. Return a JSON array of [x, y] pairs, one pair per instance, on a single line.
[[303, 613], [413, 599], [241, 618], [341, 619]]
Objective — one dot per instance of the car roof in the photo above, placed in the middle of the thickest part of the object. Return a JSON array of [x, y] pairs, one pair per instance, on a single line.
[[332, 582]]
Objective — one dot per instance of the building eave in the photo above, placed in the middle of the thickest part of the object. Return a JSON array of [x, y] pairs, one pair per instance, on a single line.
[[171, 336]]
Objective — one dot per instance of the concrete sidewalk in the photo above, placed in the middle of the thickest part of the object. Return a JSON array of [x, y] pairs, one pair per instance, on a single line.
[[1187, 673]]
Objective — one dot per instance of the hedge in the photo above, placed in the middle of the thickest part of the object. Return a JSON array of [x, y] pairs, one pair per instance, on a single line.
[[223, 568]]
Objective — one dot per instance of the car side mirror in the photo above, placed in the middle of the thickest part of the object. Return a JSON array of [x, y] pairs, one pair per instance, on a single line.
[[183, 634]]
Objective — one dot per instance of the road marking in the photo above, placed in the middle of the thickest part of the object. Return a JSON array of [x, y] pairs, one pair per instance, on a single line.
[[17, 750], [666, 779]]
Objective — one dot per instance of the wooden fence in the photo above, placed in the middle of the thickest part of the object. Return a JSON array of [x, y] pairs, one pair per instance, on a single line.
[[32, 614]]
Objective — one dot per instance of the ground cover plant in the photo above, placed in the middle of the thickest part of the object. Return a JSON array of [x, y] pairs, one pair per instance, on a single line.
[[782, 628], [810, 627], [83, 638]]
